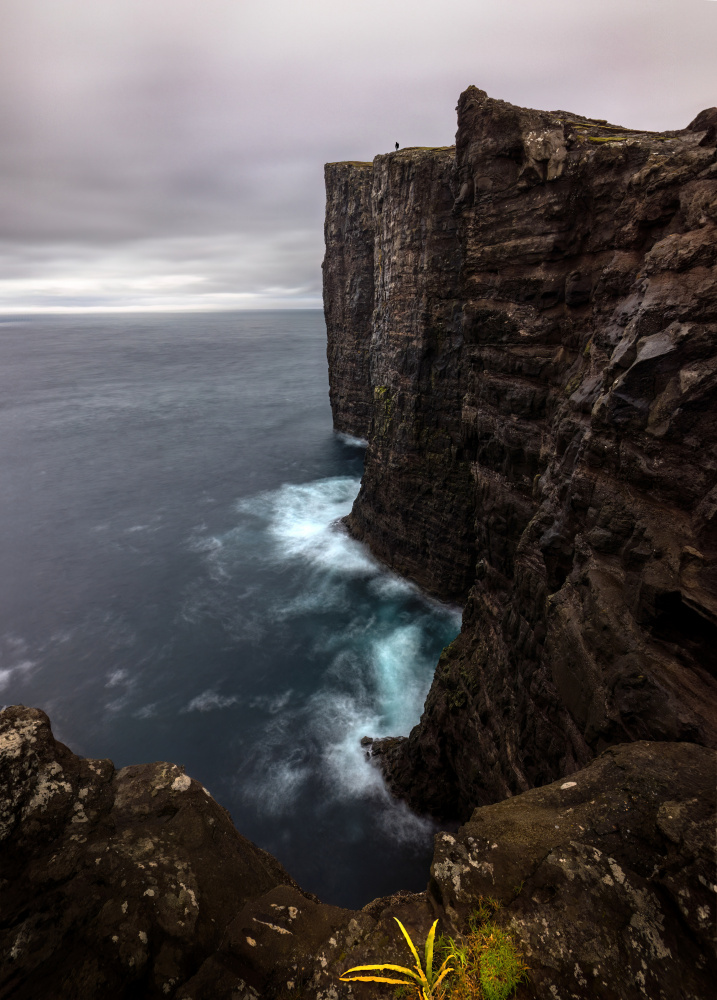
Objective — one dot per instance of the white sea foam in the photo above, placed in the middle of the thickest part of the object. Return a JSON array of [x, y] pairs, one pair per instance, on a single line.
[[24, 666], [118, 704], [339, 721], [388, 585], [274, 778], [401, 685], [322, 594], [397, 820], [353, 442], [272, 705], [377, 690], [9, 673], [15, 641], [146, 711], [209, 543], [61, 636], [377, 666], [116, 677], [302, 521], [208, 700], [282, 785], [295, 523]]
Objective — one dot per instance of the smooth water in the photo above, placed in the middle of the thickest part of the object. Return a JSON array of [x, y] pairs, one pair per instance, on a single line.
[[175, 585]]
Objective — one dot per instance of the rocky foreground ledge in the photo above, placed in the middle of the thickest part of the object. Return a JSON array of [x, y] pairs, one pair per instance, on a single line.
[[135, 883]]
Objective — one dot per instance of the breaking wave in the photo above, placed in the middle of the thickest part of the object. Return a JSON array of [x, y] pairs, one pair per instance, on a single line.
[[369, 642]]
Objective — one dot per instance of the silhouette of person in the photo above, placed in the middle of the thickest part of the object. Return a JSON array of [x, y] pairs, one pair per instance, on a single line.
[[396, 145]]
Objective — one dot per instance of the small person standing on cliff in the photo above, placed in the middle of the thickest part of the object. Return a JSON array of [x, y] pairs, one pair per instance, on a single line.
[[397, 147]]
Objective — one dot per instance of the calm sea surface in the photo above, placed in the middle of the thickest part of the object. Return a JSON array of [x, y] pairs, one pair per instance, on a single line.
[[174, 584]]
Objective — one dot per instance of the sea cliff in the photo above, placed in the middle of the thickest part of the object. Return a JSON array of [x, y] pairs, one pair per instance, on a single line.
[[541, 360], [525, 330]]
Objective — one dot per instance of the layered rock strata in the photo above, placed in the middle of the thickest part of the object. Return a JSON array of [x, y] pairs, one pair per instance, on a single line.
[[135, 884], [410, 338], [348, 277], [543, 436]]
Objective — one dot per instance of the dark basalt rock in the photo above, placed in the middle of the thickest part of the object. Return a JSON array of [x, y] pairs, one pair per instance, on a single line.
[[348, 274], [543, 436], [135, 884], [113, 883], [606, 878]]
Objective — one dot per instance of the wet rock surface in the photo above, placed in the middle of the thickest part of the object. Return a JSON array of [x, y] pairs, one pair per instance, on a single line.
[[135, 883], [543, 438]]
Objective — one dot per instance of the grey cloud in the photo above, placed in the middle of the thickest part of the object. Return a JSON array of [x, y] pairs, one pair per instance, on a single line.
[[192, 125], [218, 271]]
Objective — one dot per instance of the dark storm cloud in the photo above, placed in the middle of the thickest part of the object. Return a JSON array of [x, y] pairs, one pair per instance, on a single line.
[[171, 152]]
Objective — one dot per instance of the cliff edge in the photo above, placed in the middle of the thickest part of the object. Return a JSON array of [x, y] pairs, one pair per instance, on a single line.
[[537, 380], [135, 884]]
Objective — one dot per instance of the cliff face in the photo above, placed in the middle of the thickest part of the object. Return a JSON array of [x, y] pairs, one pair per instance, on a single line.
[[413, 348], [348, 281], [543, 437]]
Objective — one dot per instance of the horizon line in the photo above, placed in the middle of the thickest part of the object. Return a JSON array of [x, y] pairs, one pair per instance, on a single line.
[[7, 311]]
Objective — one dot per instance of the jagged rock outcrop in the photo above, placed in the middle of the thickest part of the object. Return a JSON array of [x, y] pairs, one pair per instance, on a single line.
[[543, 438], [135, 884], [606, 878], [112, 883]]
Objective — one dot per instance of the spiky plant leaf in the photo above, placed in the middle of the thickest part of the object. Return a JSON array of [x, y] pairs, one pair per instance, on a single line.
[[408, 941], [429, 951], [445, 969], [411, 945], [375, 979], [379, 968], [425, 981]]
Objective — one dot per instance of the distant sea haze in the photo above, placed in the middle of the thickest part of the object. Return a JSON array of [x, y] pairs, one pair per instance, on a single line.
[[176, 584]]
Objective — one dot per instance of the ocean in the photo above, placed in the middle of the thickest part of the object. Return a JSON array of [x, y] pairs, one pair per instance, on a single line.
[[176, 584]]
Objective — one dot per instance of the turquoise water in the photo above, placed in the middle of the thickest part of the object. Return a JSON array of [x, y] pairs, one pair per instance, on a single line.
[[176, 583]]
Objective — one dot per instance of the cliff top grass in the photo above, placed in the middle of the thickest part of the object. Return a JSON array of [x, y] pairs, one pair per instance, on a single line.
[[487, 963], [593, 130], [350, 163], [392, 152]]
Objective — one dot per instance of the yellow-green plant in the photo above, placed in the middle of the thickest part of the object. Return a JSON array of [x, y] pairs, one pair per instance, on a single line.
[[425, 982], [488, 965]]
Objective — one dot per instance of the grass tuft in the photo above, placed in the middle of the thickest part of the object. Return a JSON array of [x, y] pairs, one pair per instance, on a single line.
[[487, 963]]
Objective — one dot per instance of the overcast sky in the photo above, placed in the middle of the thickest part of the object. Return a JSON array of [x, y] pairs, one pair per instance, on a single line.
[[169, 153]]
